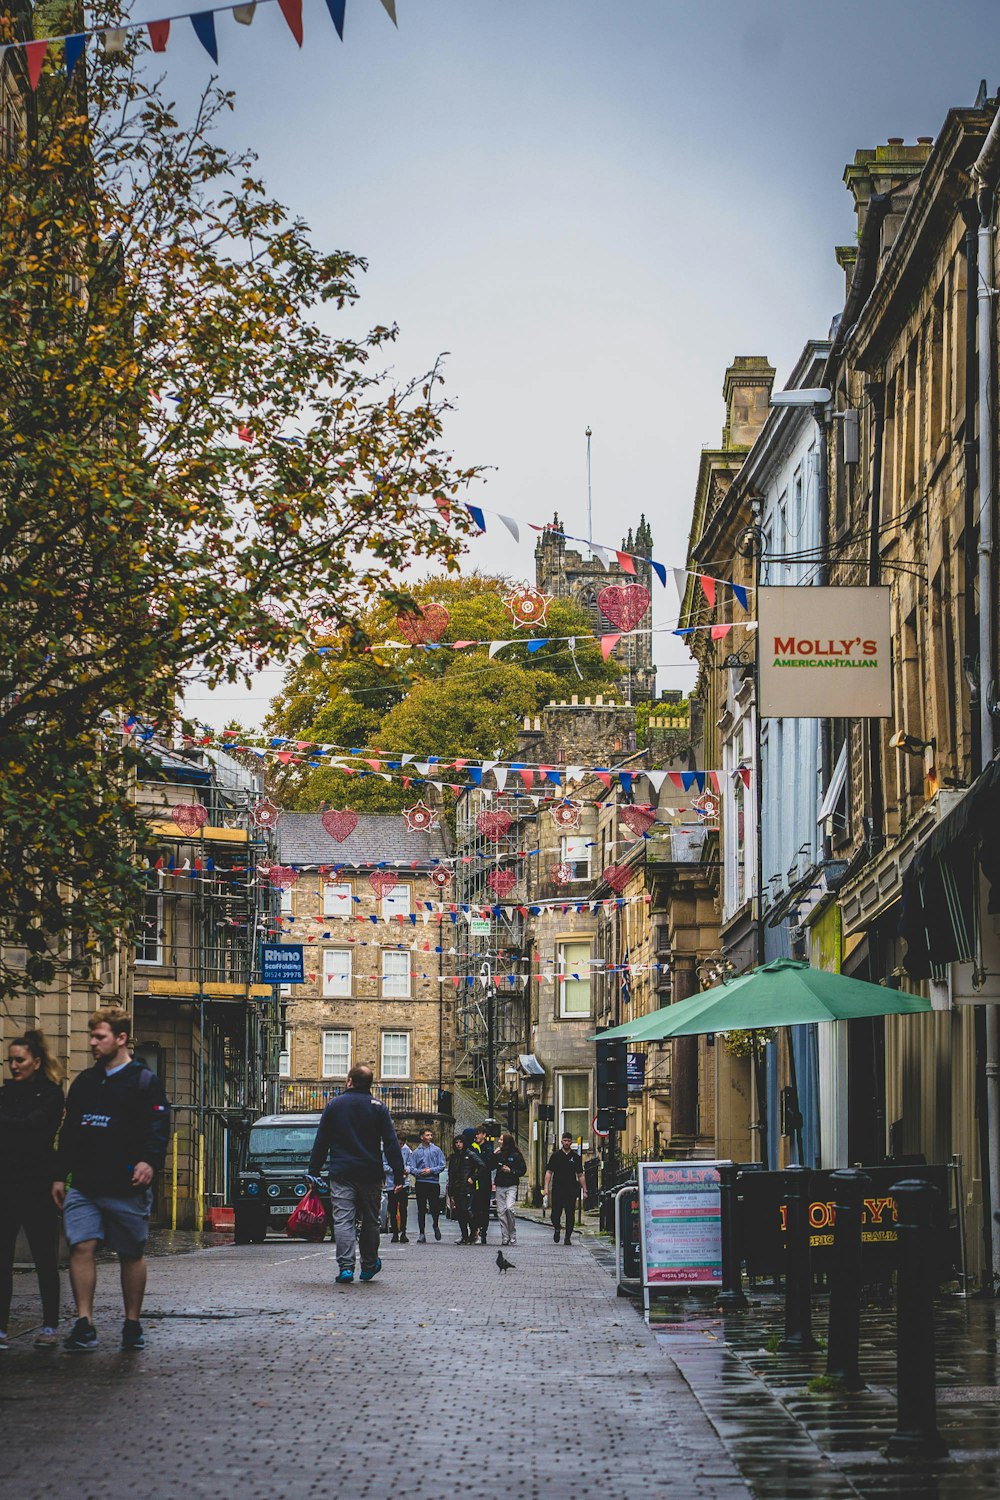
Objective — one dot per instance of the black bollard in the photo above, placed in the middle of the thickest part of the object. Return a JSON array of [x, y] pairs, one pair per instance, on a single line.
[[845, 1279], [917, 1214], [731, 1296], [798, 1269]]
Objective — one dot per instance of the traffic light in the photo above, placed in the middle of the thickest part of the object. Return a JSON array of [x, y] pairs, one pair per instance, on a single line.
[[612, 1074]]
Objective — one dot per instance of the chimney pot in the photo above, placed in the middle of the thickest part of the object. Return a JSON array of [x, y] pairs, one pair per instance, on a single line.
[[895, 140], [925, 140]]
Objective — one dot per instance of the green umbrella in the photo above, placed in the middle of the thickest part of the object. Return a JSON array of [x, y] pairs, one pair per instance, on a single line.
[[784, 992]]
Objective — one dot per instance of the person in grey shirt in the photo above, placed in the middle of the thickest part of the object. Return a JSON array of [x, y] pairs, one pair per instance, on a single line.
[[426, 1165]]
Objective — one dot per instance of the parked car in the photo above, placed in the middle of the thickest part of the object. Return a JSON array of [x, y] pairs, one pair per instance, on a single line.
[[273, 1176]]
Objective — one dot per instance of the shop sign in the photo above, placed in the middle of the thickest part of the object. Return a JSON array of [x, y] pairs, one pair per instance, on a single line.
[[282, 963], [679, 1211], [825, 653], [635, 1070]]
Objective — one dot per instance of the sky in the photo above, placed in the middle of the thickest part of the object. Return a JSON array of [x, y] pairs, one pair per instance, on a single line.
[[592, 208]]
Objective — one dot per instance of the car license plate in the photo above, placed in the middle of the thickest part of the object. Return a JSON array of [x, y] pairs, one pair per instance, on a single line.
[[282, 1208]]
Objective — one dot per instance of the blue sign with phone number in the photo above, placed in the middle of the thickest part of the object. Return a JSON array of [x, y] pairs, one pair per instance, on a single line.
[[282, 963]]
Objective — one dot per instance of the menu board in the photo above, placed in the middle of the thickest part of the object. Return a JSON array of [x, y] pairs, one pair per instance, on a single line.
[[679, 1210]]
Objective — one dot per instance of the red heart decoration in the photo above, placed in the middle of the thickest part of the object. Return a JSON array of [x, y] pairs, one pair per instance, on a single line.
[[624, 607], [340, 825], [189, 817], [429, 624], [382, 881], [282, 877], [638, 816], [617, 877], [493, 825], [501, 881]]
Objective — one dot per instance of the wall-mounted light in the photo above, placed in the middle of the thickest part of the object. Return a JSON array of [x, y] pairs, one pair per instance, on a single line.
[[909, 742]]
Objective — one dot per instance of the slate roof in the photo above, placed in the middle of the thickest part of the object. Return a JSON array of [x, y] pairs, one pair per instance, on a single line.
[[302, 840]]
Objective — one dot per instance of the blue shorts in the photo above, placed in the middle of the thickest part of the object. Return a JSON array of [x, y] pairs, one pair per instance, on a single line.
[[121, 1224]]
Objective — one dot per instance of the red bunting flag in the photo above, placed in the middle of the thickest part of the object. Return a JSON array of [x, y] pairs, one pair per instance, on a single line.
[[719, 632], [159, 31], [707, 588], [626, 562], [35, 54], [292, 12], [744, 773], [608, 644]]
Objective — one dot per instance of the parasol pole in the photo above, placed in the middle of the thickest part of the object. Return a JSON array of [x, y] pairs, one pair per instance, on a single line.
[[760, 1088]]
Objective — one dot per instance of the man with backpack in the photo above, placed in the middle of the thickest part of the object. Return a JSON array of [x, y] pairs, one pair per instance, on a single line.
[[113, 1140]]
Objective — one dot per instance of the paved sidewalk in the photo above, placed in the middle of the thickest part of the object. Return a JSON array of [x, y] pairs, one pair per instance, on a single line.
[[441, 1377]]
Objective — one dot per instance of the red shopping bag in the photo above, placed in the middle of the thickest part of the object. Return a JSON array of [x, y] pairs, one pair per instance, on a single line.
[[308, 1220]]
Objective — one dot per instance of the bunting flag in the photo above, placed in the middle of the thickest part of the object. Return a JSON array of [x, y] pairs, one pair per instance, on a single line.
[[337, 9], [292, 12], [159, 31], [76, 46], [35, 57], [608, 644], [203, 22]]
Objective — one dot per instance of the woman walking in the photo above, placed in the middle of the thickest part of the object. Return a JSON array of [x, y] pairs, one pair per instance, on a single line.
[[31, 1111], [458, 1187], [509, 1166]]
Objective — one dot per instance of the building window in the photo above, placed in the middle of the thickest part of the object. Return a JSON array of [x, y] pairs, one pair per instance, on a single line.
[[336, 1054], [396, 903], [574, 1105], [576, 854], [573, 960], [395, 974], [287, 900], [149, 933], [395, 1054], [337, 900], [337, 973], [285, 1056]]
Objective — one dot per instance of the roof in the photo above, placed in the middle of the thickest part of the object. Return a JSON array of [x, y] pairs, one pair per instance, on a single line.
[[379, 838]]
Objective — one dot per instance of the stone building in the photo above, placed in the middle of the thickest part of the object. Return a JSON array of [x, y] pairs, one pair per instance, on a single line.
[[380, 980], [568, 573]]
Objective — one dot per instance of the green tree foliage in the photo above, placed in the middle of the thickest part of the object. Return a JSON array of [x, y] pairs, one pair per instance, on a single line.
[[194, 469], [440, 702]]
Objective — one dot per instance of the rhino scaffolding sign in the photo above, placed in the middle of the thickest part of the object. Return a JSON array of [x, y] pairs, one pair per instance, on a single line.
[[824, 653]]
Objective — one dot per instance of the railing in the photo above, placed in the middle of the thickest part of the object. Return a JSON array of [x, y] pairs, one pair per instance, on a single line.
[[401, 1098]]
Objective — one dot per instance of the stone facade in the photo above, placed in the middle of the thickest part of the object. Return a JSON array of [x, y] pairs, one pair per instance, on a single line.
[[379, 968]]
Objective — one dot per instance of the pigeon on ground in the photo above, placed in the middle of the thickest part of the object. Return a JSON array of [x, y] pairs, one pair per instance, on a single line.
[[503, 1263]]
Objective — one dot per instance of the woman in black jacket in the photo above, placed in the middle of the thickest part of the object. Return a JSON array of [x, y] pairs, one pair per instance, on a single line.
[[509, 1167], [31, 1111], [458, 1187]]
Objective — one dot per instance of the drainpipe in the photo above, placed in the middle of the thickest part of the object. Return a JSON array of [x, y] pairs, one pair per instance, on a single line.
[[875, 391], [984, 174]]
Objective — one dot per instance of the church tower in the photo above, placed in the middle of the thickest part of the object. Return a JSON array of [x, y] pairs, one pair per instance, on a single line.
[[566, 573]]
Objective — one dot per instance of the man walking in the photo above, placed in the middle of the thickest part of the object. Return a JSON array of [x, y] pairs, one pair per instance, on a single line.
[[399, 1201], [480, 1185], [426, 1164], [354, 1130], [113, 1140], [564, 1185]]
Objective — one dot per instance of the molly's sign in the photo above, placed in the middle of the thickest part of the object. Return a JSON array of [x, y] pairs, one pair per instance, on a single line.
[[825, 653]]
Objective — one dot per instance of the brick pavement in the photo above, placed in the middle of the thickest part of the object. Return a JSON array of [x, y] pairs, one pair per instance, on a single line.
[[440, 1377]]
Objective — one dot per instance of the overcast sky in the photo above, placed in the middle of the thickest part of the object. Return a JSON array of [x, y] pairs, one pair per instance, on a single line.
[[592, 206]]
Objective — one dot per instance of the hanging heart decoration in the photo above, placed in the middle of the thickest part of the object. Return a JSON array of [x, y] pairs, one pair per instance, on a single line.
[[528, 606], [340, 825], [561, 874], [264, 814], [494, 825], [282, 877], [382, 881], [618, 877], [426, 626], [624, 607], [566, 815], [189, 817], [638, 816], [501, 881], [441, 877], [419, 817]]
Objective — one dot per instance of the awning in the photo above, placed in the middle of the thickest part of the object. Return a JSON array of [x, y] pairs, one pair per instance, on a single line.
[[939, 917]]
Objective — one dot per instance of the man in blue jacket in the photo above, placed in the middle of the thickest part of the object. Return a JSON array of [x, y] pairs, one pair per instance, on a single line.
[[354, 1130], [426, 1164]]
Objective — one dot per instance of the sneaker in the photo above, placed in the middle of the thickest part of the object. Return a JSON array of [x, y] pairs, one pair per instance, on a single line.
[[47, 1339], [132, 1334], [371, 1271], [555, 1238], [421, 1239], [345, 1275], [404, 1239], [81, 1338], [437, 1232]]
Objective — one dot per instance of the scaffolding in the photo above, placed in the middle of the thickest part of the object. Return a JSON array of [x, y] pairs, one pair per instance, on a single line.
[[203, 1019], [492, 1003]]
